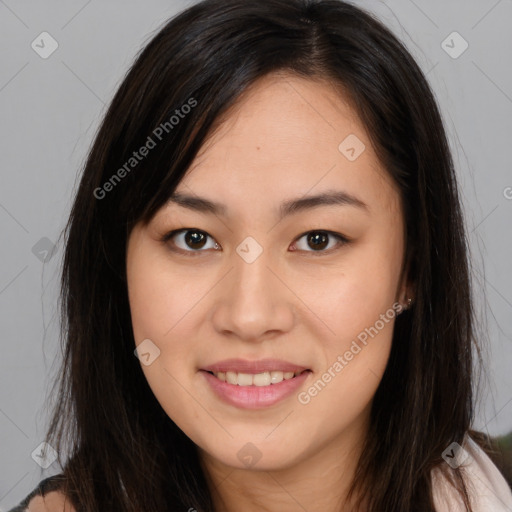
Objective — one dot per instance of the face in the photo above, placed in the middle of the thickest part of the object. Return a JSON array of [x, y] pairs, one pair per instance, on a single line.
[[289, 302]]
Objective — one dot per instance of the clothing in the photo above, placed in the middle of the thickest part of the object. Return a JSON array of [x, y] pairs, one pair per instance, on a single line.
[[489, 491]]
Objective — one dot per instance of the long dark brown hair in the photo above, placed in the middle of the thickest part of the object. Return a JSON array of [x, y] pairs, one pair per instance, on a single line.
[[118, 449]]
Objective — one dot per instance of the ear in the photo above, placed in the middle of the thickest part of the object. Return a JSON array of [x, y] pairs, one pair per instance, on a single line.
[[406, 288]]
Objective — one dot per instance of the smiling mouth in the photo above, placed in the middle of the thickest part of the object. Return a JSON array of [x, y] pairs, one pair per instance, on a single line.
[[255, 379]]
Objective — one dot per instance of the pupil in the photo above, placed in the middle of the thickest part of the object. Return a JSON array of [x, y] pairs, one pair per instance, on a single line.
[[195, 237], [319, 239]]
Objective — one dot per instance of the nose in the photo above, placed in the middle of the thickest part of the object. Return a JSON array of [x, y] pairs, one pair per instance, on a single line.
[[253, 302]]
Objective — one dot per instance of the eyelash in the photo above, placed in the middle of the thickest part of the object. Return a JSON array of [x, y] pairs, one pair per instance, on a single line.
[[342, 240]]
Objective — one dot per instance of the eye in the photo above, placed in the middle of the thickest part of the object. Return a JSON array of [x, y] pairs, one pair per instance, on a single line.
[[319, 241], [189, 240], [192, 240]]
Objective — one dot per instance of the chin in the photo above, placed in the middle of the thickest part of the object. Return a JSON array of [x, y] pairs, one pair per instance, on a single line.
[[256, 455]]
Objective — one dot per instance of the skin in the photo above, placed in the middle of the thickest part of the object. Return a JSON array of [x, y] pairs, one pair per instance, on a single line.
[[304, 305], [54, 501]]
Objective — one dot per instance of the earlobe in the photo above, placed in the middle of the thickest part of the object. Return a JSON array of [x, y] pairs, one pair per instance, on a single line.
[[407, 289], [408, 298], [406, 295], [404, 305]]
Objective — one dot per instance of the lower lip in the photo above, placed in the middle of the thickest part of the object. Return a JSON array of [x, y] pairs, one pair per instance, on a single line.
[[255, 397]]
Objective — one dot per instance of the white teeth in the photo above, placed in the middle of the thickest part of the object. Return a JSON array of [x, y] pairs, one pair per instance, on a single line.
[[258, 379], [276, 377], [244, 379], [261, 379], [231, 377]]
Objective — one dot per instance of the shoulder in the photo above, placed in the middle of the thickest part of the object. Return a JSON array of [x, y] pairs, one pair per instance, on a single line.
[[488, 489], [46, 497], [54, 501]]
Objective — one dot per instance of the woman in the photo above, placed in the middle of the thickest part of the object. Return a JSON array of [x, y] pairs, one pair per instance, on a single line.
[[265, 288]]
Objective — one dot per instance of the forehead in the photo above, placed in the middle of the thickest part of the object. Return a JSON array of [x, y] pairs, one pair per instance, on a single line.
[[288, 136]]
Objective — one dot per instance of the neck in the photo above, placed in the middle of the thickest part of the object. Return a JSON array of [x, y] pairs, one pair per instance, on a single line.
[[320, 480]]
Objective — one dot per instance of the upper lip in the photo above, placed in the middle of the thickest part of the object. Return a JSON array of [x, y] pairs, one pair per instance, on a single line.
[[253, 367]]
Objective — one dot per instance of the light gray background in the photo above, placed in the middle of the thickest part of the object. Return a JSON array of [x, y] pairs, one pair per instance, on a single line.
[[50, 109]]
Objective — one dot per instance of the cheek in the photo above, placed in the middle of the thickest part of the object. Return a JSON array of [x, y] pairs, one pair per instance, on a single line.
[[347, 299], [355, 306], [354, 360], [156, 313], [356, 349], [160, 298], [162, 305], [162, 310]]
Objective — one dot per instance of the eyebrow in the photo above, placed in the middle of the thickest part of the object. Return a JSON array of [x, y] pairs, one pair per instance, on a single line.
[[289, 207]]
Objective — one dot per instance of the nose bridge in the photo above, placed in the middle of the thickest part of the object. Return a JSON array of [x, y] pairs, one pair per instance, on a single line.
[[252, 276], [253, 301]]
